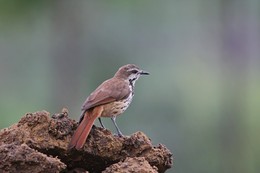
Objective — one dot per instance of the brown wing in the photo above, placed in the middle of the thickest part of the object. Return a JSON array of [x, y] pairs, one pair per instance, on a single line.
[[109, 91]]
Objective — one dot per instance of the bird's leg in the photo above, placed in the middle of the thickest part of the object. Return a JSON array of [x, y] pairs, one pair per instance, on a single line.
[[118, 130], [99, 119]]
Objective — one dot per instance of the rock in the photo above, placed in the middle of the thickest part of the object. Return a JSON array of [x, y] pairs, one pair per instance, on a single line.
[[49, 136], [131, 165], [23, 159]]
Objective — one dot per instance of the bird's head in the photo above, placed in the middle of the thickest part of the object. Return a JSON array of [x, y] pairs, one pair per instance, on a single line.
[[130, 72]]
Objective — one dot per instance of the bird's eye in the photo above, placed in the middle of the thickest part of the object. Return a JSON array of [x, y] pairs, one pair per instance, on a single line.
[[134, 71]]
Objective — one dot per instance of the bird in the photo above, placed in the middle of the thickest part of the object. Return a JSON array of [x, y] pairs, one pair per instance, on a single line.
[[109, 99]]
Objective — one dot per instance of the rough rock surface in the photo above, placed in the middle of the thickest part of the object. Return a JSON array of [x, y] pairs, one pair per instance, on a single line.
[[38, 143], [131, 165], [21, 158]]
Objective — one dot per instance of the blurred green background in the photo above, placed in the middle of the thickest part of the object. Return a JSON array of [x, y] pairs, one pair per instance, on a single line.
[[202, 99]]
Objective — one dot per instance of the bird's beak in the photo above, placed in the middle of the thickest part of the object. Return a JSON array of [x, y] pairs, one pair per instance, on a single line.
[[144, 73]]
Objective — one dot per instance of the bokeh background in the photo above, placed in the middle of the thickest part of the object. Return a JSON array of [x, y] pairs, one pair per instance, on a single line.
[[202, 99]]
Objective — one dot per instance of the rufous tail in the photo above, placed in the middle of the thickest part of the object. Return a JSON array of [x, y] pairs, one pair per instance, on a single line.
[[80, 135]]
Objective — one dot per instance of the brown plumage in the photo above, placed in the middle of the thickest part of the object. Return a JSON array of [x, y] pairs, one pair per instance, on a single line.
[[110, 99]]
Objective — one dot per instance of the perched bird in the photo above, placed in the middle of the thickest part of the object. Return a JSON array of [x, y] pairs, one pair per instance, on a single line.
[[110, 99]]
